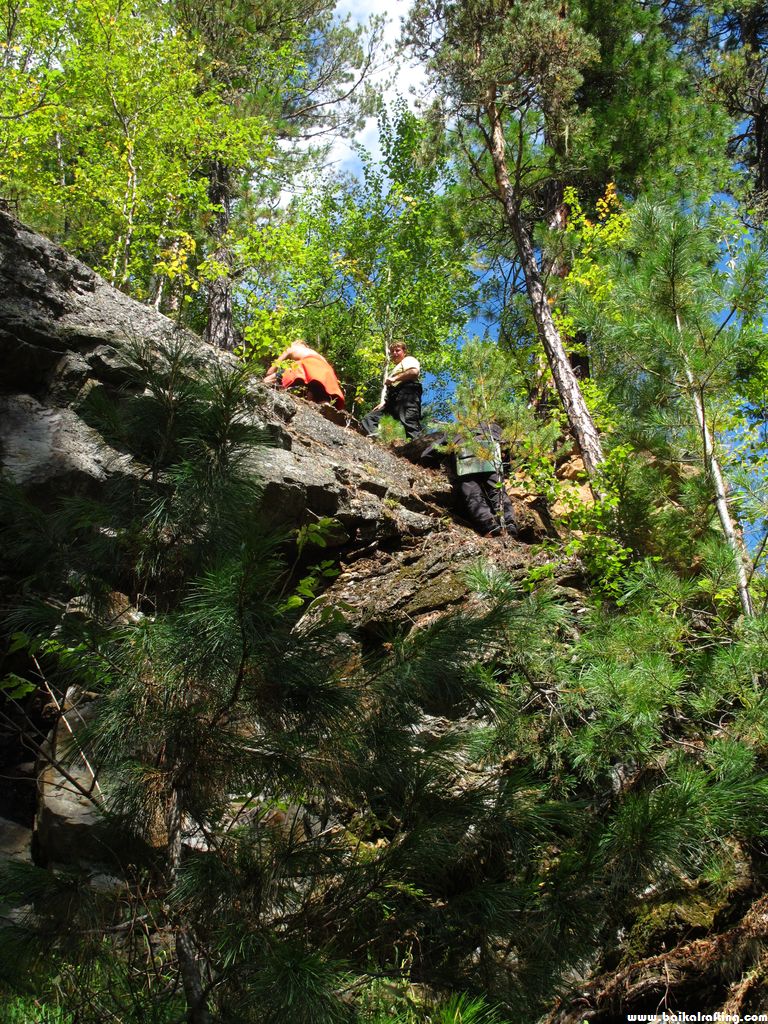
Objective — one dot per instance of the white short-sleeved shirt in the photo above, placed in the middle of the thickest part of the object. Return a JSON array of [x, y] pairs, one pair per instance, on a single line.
[[406, 363]]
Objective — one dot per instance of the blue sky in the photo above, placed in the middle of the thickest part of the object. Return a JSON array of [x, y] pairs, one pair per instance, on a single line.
[[397, 77]]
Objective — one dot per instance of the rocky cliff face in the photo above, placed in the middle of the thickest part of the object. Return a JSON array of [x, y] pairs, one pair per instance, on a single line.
[[400, 544], [398, 540]]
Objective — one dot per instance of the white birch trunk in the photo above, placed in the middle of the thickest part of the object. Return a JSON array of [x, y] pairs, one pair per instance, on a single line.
[[566, 382], [721, 497]]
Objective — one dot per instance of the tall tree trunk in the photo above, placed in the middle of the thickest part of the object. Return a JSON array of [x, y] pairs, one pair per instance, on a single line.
[[190, 979], [752, 27], [220, 331], [566, 382], [189, 968], [718, 483]]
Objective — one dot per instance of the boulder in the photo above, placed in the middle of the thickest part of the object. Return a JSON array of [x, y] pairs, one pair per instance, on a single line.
[[15, 842], [66, 331], [67, 820], [49, 445]]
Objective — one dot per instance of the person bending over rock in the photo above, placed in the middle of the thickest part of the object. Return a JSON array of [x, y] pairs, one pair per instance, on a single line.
[[474, 464], [402, 399], [479, 480], [310, 370]]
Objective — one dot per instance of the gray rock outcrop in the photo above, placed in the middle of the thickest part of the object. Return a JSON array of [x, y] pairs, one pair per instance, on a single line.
[[65, 331]]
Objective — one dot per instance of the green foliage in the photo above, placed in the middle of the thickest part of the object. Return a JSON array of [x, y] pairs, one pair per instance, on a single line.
[[638, 716], [361, 264], [597, 538], [297, 984], [390, 430], [388, 1004], [115, 120], [641, 80], [108, 128], [565, 85], [328, 825], [31, 1011], [673, 309], [344, 836], [463, 1009], [609, 756], [534, 55], [14, 687], [317, 533], [724, 44]]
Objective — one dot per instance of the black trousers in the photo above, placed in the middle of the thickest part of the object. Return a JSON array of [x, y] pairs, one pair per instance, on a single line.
[[402, 403], [487, 503]]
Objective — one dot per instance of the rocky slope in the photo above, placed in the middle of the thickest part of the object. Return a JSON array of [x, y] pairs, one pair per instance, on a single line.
[[401, 547]]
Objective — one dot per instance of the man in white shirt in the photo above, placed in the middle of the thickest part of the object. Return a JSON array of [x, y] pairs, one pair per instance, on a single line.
[[403, 394]]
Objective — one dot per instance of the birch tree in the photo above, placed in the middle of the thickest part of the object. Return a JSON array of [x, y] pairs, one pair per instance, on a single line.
[[502, 68], [541, 95]]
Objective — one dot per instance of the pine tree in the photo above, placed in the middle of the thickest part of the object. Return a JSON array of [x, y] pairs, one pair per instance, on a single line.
[[725, 45], [542, 96], [507, 71], [678, 333]]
